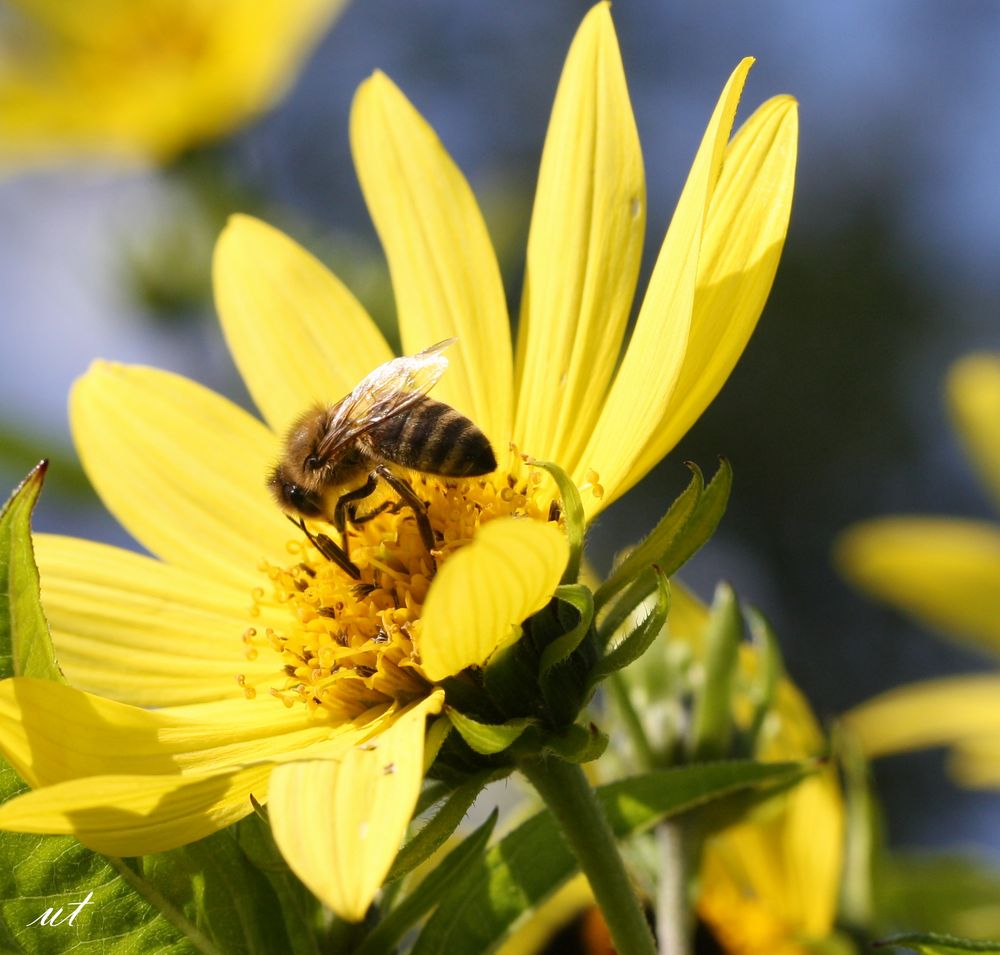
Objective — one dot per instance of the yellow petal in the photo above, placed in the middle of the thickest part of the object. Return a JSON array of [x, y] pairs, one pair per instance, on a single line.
[[943, 571], [930, 713], [975, 762], [146, 80], [509, 571], [135, 815], [744, 235], [142, 632], [974, 397], [298, 336], [444, 271], [584, 249], [640, 394], [338, 823], [50, 732], [181, 468]]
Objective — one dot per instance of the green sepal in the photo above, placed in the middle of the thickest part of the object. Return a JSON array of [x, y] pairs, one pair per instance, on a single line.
[[435, 831], [634, 580], [437, 884], [525, 867], [577, 744], [487, 739], [771, 669], [22, 621], [652, 547], [582, 601], [573, 516], [933, 944], [636, 643], [863, 839], [712, 722]]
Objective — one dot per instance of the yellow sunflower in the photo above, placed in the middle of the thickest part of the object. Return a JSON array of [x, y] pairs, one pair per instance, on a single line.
[[145, 80], [946, 573], [172, 722]]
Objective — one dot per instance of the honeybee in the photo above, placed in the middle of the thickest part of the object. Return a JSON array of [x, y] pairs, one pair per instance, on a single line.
[[335, 456]]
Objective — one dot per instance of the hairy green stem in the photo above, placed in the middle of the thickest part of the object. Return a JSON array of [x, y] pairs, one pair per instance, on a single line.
[[565, 790]]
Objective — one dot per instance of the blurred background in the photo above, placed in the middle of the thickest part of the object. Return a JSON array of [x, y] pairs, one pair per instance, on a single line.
[[834, 414]]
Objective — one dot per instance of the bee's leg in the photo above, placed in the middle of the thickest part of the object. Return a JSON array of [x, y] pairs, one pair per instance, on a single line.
[[409, 496], [355, 518], [342, 509], [329, 548]]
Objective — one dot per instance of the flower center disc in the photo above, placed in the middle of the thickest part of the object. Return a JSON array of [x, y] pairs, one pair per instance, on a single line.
[[349, 644]]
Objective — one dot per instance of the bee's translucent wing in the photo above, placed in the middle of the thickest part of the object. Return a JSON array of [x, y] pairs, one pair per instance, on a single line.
[[391, 389]]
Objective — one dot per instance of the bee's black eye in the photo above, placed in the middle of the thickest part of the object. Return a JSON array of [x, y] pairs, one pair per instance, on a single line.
[[307, 504]]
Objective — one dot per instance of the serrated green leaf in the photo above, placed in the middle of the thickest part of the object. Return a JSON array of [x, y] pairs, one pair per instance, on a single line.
[[531, 862], [440, 826], [487, 738], [656, 543], [932, 944], [635, 644], [24, 635], [430, 891], [573, 516]]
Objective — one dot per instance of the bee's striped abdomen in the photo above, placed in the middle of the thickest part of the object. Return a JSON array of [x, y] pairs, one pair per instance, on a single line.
[[434, 438]]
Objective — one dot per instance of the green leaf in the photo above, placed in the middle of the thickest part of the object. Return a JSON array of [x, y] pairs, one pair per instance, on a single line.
[[24, 634], [656, 543], [633, 646], [953, 894], [573, 515], [932, 944], [430, 891], [576, 743], [487, 738], [436, 831], [712, 724], [531, 862]]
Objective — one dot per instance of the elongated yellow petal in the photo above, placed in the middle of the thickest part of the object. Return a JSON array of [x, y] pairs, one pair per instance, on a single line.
[[930, 713], [181, 468], [584, 250], [444, 271], [509, 571], [51, 732], [975, 762], [642, 389], [298, 336], [974, 397], [744, 235], [142, 632], [943, 571], [338, 823], [135, 815]]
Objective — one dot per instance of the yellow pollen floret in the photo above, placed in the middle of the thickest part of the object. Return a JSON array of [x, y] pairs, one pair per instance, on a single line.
[[348, 644]]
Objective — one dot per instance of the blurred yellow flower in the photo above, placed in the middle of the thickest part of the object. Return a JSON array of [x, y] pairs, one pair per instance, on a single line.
[[144, 80], [335, 676], [946, 573], [770, 884]]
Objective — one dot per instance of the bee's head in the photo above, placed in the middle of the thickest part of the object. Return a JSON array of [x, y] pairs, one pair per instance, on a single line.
[[292, 496]]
